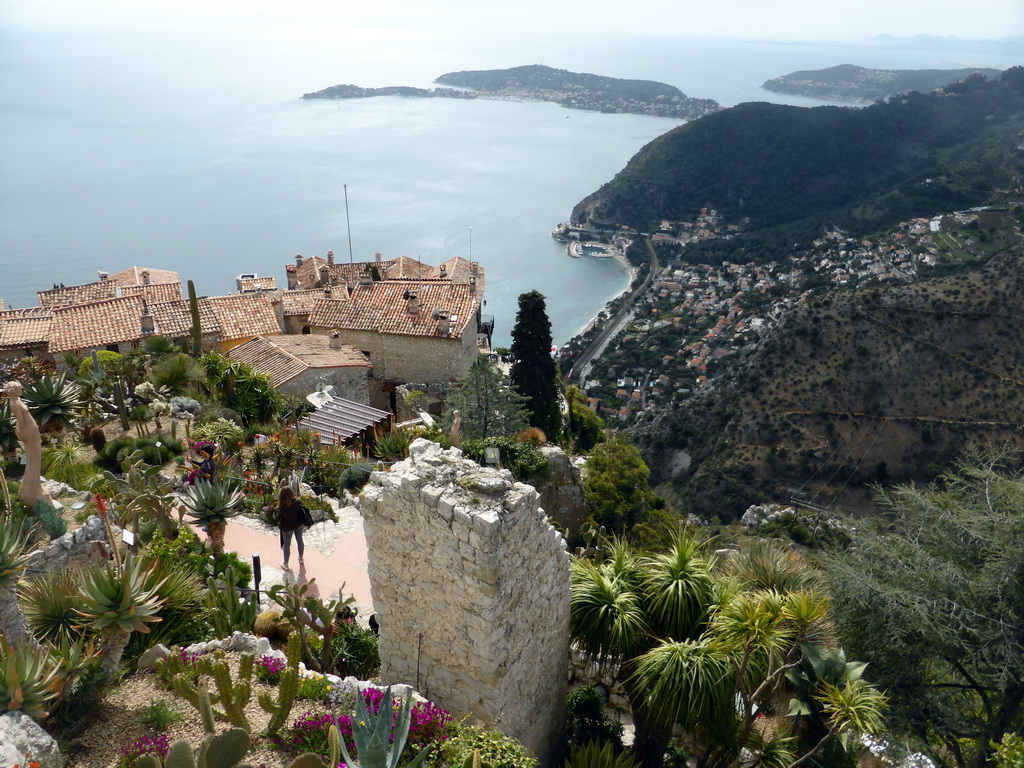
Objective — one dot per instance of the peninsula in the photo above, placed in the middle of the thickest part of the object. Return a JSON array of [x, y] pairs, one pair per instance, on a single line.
[[540, 83], [848, 82]]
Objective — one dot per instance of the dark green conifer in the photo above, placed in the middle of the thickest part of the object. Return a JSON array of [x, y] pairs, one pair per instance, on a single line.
[[533, 369]]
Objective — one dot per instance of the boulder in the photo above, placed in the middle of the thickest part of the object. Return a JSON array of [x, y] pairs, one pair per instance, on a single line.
[[21, 740]]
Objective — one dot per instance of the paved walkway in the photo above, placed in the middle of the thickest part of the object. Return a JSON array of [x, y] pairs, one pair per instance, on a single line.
[[335, 555]]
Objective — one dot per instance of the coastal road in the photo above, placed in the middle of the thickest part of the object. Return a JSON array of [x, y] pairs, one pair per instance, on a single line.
[[581, 367]]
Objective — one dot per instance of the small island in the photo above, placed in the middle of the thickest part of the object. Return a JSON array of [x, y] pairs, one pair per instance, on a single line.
[[848, 82], [536, 82]]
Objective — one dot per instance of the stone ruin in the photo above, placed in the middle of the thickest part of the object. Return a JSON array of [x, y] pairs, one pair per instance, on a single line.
[[471, 587]]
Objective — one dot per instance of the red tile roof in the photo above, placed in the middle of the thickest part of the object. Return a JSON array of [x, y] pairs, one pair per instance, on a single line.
[[174, 318], [244, 315], [163, 285], [96, 324], [384, 307], [301, 302], [20, 328], [282, 358]]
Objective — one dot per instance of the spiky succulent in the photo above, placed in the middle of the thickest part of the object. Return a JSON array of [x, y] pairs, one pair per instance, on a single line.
[[8, 438], [215, 502], [119, 599], [13, 557], [53, 401], [29, 680]]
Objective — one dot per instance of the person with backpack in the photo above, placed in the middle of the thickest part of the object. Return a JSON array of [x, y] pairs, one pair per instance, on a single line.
[[291, 517]]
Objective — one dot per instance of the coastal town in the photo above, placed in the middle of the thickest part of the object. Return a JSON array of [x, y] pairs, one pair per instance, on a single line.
[[694, 318]]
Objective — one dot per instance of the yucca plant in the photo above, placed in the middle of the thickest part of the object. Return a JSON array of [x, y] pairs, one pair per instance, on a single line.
[[53, 401], [212, 505], [29, 680], [593, 754], [13, 627], [69, 463], [115, 603]]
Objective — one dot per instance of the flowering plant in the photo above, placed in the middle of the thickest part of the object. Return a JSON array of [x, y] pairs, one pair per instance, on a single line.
[[269, 669], [313, 685], [147, 745]]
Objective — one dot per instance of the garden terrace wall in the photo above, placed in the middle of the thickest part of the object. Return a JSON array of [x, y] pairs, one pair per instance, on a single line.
[[471, 588]]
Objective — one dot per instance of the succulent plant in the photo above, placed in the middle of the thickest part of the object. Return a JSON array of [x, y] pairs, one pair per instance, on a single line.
[[211, 505], [373, 733], [116, 602], [13, 537], [29, 679], [53, 402]]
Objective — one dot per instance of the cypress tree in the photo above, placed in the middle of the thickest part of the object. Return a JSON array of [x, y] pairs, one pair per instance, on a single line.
[[533, 369]]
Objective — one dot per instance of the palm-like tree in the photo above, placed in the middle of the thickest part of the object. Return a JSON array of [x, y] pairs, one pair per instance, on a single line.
[[117, 601], [212, 505], [624, 605]]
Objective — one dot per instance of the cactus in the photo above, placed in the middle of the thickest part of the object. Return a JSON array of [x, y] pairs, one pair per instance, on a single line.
[[232, 696], [287, 688], [372, 734], [197, 328], [122, 409], [228, 610]]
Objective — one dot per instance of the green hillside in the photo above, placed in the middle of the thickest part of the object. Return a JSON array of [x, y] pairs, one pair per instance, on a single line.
[[848, 82], [862, 169]]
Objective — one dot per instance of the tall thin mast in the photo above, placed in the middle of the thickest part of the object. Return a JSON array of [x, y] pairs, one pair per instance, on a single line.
[[348, 224]]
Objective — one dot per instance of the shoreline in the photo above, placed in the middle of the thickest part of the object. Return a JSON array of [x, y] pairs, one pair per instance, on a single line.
[[631, 271]]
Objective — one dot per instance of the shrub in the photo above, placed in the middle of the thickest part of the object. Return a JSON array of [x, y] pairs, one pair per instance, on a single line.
[[495, 748], [587, 721], [182, 406], [107, 359], [269, 668], [51, 519], [116, 451], [313, 686], [523, 460], [355, 651], [158, 715], [219, 431]]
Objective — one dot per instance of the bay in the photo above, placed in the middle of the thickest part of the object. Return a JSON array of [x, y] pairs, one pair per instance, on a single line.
[[193, 152]]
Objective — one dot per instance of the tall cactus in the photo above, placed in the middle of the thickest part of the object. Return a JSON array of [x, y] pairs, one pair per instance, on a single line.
[[122, 409], [287, 688], [232, 696], [197, 328]]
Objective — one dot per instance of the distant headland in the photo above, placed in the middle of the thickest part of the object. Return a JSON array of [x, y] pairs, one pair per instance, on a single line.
[[536, 82], [848, 82]]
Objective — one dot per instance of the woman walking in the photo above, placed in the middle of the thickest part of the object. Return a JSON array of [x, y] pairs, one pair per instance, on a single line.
[[289, 521]]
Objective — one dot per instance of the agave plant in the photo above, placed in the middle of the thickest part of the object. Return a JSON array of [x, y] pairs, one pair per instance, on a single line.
[[53, 402], [8, 438], [372, 734], [212, 505], [13, 627], [29, 680], [116, 602]]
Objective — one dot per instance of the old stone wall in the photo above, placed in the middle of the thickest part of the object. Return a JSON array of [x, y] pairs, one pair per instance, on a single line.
[[350, 382], [471, 588], [78, 547]]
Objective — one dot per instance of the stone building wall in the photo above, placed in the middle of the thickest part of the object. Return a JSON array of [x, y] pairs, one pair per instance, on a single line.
[[471, 588], [350, 382]]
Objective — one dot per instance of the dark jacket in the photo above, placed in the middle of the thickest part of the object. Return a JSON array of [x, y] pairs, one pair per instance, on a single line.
[[289, 518]]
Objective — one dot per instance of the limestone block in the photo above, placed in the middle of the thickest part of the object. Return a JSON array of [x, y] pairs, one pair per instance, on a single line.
[[21, 737], [149, 659]]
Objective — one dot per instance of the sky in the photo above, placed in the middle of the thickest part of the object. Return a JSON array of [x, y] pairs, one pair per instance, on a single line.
[[435, 20]]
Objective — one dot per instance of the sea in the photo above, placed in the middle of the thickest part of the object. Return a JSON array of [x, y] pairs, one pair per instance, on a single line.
[[194, 152]]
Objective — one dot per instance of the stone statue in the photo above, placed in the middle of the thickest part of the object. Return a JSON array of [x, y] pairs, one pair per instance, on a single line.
[[456, 431], [31, 442]]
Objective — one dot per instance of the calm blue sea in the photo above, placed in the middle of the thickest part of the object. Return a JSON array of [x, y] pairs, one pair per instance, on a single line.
[[194, 153]]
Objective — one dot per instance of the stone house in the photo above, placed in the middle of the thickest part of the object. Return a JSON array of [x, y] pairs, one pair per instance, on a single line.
[[152, 284], [226, 321], [314, 272], [24, 332], [112, 324], [296, 365], [410, 330]]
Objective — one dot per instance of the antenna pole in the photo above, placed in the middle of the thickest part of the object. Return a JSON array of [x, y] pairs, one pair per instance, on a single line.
[[348, 224], [470, 243]]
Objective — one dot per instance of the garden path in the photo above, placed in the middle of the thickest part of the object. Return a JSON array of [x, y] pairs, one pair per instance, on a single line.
[[335, 554]]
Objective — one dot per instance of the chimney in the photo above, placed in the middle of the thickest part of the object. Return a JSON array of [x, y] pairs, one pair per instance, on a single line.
[[145, 277], [376, 257], [444, 272], [472, 284], [414, 304], [147, 324], [298, 259], [104, 275], [327, 292], [335, 339], [444, 323], [325, 275], [330, 257]]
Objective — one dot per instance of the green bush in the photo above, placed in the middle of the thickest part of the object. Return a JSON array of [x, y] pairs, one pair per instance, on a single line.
[[355, 652], [523, 460], [51, 520], [220, 431], [495, 748], [586, 720], [116, 451], [108, 360]]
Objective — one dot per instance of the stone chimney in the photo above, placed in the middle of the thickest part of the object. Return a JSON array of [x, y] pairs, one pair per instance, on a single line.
[[444, 272], [147, 324], [145, 277], [298, 259], [444, 323], [414, 303], [104, 275], [376, 257], [330, 257], [472, 284], [325, 275], [335, 339]]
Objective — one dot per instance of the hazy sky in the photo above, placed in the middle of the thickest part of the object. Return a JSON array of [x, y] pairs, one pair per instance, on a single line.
[[428, 20]]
